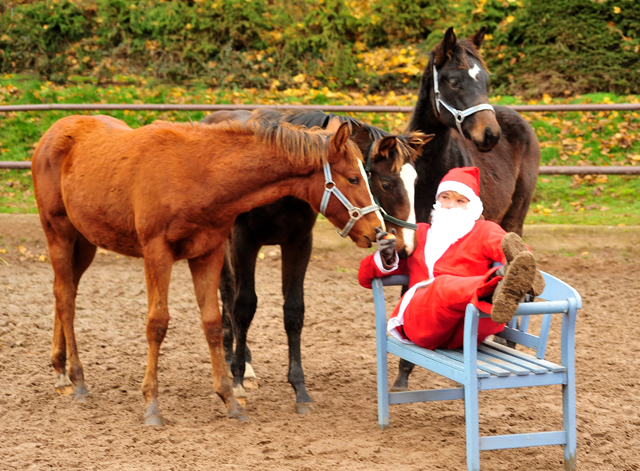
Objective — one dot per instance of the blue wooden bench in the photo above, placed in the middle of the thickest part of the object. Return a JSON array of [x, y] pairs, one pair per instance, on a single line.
[[490, 366]]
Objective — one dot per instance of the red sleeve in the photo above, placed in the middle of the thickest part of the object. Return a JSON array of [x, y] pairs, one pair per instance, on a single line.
[[371, 267]]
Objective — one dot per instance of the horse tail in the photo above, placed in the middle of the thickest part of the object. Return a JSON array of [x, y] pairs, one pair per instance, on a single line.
[[46, 166]]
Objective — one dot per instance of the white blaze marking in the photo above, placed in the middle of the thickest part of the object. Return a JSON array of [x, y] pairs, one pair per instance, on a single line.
[[409, 175], [366, 182], [474, 71]]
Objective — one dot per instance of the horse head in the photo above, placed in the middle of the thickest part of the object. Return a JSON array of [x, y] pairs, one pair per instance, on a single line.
[[392, 177], [460, 81], [353, 210]]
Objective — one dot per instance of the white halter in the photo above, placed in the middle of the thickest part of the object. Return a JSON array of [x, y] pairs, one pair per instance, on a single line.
[[355, 213], [458, 115]]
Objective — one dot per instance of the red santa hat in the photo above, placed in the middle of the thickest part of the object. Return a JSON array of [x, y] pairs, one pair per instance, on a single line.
[[463, 180]]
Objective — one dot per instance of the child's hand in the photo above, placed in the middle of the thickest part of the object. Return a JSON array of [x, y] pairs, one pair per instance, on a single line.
[[386, 245]]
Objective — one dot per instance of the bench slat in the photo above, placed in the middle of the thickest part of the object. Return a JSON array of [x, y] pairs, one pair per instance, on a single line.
[[431, 355], [505, 363], [482, 365], [539, 370], [536, 361]]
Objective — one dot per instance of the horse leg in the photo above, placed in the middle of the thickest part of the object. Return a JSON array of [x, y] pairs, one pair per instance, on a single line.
[[227, 294], [70, 254], [158, 262], [295, 258], [404, 367], [513, 220], [244, 307], [249, 378], [205, 271], [402, 380], [227, 291]]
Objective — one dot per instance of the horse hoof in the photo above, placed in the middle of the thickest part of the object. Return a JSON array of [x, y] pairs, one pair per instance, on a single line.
[[304, 408], [154, 421], [64, 386], [395, 388], [65, 390], [239, 392], [81, 394], [250, 383], [240, 417]]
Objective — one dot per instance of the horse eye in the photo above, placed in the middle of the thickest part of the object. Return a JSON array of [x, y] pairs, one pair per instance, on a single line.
[[454, 83], [354, 180], [386, 186]]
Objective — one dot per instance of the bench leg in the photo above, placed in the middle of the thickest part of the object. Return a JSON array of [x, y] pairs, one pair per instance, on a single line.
[[569, 389], [383, 385], [472, 424], [569, 423]]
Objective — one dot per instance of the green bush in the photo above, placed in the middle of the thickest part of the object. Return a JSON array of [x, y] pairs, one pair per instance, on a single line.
[[567, 47], [532, 47]]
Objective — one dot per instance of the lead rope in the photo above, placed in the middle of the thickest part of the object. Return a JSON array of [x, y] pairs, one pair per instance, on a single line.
[[458, 115]]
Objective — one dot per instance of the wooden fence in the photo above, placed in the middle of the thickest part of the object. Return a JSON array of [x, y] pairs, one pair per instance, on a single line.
[[545, 170]]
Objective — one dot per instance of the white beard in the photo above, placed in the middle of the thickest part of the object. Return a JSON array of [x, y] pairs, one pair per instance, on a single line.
[[447, 227]]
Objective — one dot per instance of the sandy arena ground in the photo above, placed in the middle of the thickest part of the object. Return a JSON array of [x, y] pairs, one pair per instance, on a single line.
[[41, 430]]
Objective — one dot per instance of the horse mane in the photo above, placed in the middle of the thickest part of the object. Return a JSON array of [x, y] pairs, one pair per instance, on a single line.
[[405, 150], [301, 146], [295, 141], [319, 119], [459, 54]]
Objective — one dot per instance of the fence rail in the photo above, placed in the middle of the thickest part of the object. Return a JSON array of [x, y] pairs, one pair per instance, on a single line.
[[332, 108], [548, 170], [554, 170]]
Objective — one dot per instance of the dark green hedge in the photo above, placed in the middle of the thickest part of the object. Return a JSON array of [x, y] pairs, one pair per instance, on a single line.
[[538, 46], [567, 47]]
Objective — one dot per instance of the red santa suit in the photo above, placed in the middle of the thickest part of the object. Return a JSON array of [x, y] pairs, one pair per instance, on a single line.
[[444, 278]]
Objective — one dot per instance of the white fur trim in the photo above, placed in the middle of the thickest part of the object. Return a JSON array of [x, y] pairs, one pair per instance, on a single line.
[[377, 258], [451, 185], [395, 322]]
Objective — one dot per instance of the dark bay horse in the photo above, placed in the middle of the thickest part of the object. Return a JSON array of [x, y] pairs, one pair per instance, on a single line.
[[496, 139], [288, 222], [168, 192], [453, 105]]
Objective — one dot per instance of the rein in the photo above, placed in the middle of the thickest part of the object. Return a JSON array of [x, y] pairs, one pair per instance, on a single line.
[[355, 213], [387, 217], [458, 115]]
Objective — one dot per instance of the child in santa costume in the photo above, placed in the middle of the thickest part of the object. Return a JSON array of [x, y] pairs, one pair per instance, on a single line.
[[452, 266]]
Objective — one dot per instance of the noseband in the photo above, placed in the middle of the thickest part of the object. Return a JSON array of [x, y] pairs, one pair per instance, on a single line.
[[355, 213], [387, 217], [458, 115]]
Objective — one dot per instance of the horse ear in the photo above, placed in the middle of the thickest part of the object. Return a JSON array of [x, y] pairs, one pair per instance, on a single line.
[[386, 146], [447, 46], [478, 38], [340, 138], [334, 124], [417, 140]]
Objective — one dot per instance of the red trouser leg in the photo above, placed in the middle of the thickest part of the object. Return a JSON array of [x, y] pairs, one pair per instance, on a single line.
[[434, 317]]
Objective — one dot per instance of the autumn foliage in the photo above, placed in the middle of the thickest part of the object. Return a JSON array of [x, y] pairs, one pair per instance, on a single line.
[[532, 47]]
